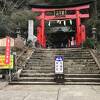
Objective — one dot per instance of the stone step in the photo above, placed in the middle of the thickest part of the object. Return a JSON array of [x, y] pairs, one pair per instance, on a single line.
[[66, 75], [64, 55], [82, 79], [39, 71], [82, 75], [53, 55], [61, 54], [61, 50], [51, 79], [85, 72], [36, 61], [85, 62], [53, 62], [37, 74], [31, 71], [71, 70], [52, 83], [65, 58], [42, 64], [66, 70], [70, 65], [31, 83], [79, 67], [41, 68], [67, 54], [82, 60], [45, 79]]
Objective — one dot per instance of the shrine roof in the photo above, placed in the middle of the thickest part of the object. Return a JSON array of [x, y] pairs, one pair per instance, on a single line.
[[51, 6]]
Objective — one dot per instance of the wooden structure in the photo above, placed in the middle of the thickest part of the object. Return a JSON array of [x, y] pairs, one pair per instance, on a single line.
[[60, 13]]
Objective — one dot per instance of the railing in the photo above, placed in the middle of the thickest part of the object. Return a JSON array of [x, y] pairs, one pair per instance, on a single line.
[[95, 58]]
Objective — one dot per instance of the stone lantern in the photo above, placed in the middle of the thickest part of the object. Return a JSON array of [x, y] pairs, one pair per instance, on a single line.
[[94, 33]]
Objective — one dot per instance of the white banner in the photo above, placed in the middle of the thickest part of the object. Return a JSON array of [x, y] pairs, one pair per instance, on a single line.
[[30, 30]]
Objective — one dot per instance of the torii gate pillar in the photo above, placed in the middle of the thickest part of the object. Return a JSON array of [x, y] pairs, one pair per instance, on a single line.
[[42, 24], [78, 30]]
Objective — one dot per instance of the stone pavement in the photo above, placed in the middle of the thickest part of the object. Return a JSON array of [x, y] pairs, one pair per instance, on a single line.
[[50, 92], [3, 84]]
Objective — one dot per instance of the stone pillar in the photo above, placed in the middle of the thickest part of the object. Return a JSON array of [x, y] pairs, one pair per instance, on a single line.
[[30, 30]]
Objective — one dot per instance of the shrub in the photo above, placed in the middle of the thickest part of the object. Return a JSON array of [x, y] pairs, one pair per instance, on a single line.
[[89, 43]]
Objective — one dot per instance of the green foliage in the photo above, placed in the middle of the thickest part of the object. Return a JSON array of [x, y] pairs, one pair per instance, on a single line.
[[89, 43], [21, 18], [4, 20]]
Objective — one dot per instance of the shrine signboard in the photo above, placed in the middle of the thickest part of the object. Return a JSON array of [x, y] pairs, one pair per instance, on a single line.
[[59, 65], [3, 42], [3, 65]]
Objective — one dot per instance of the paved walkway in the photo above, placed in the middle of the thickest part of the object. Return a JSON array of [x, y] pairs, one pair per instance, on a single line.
[[3, 84], [53, 92]]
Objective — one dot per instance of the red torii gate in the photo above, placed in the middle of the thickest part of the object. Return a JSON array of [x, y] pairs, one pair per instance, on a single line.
[[80, 29]]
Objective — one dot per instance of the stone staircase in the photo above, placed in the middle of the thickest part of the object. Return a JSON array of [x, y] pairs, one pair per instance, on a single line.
[[80, 67]]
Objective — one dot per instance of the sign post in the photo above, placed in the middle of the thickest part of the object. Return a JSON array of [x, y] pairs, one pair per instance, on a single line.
[[7, 60], [59, 69]]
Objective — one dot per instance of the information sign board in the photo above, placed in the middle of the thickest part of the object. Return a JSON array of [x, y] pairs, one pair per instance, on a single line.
[[3, 65], [59, 65]]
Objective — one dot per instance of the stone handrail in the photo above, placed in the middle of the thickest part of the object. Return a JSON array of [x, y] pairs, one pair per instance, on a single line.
[[95, 58]]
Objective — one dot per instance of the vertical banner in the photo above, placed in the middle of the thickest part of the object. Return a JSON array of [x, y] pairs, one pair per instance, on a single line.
[[7, 55], [83, 33], [30, 30]]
